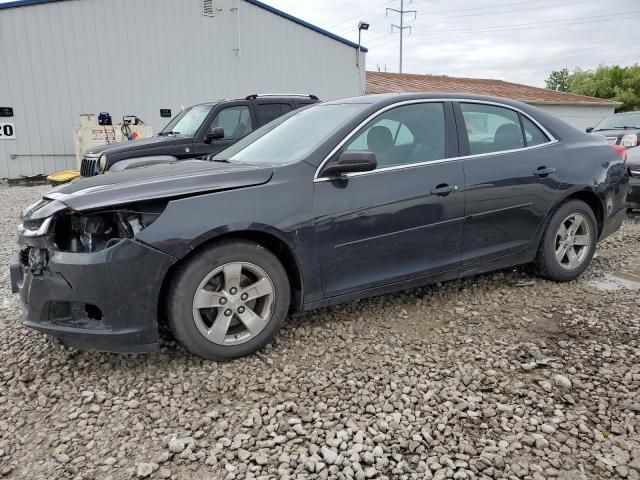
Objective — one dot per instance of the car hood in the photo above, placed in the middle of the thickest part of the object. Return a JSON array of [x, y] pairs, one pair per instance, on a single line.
[[616, 132], [142, 144], [159, 181]]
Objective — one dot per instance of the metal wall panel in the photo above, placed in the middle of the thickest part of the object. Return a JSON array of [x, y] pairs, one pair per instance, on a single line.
[[62, 59], [580, 116]]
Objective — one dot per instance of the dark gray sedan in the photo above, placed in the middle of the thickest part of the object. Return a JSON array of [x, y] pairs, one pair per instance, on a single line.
[[339, 201]]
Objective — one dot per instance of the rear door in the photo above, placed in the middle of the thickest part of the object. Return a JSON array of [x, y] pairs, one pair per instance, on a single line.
[[404, 219], [267, 111], [509, 165]]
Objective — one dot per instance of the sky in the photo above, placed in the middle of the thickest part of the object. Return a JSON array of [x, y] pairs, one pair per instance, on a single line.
[[520, 41]]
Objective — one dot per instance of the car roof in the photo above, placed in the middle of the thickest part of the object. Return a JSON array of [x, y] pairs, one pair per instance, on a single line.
[[399, 97], [558, 128]]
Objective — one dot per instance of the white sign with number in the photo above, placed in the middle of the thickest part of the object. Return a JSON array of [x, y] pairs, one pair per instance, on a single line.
[[7, 131]]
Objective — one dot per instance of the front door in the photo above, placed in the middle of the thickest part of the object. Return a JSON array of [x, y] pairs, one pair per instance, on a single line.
[[402, 220], [236, 122], [510, 181]]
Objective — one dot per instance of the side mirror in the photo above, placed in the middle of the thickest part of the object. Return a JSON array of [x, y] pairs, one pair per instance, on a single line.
[[351, 162], [589, 129], [215, 134]]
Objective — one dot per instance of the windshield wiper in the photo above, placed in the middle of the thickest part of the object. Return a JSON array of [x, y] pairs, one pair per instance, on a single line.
[[219, 160], [166, 134], [626, 127]]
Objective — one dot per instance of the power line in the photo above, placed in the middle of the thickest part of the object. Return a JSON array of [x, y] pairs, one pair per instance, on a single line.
[[486, 7], [517, 10], [373, 41], [359, 17], [549, 23], [401, 28], [377, 41]]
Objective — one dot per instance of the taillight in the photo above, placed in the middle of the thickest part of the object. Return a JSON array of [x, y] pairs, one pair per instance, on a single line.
[[621, 151]]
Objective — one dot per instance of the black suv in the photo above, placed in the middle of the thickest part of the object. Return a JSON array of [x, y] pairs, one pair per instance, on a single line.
[[195, 132]]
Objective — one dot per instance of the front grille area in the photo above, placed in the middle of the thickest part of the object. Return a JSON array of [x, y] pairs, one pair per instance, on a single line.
[[89, 167], [635, 172]]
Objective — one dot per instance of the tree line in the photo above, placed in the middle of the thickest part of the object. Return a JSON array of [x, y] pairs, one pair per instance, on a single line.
[[610, 82]]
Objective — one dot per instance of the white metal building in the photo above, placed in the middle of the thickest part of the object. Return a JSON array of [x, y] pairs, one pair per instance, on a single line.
[[63, 58], [577, 110]]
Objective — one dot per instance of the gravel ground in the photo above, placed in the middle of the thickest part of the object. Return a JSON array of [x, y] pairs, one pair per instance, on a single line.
[[497, 376]]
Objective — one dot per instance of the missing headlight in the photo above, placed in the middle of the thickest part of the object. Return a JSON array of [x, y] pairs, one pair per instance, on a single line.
[[95, 231]]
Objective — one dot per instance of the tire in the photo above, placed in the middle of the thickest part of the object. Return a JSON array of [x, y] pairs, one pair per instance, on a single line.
[[201, 295], [551, 262]]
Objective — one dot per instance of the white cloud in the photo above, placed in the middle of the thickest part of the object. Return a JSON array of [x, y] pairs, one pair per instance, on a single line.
[[513, 40]]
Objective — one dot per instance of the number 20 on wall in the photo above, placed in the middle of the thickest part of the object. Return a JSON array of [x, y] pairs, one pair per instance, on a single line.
[[7, 131]]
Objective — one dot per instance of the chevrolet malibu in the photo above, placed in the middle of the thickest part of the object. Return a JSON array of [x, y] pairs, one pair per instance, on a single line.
[[336, 202]]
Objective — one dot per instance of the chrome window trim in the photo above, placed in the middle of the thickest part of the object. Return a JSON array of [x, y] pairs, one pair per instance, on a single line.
[[551, 139]]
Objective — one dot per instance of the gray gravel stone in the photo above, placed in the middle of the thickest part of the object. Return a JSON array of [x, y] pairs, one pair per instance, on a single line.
[[423, 384]]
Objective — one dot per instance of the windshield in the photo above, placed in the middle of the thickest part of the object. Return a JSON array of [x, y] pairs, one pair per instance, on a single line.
[[188, 121], [291, 137], [620, 121]]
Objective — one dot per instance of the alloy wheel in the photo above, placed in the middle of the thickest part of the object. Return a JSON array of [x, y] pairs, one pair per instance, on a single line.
[[573, 241], [233, 303]]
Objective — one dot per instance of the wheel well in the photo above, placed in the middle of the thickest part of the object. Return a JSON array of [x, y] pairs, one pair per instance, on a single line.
[[594, 203], [268, 241]]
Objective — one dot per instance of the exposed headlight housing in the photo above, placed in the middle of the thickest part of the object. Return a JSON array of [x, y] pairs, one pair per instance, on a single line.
[[629, 140], [102, 163], [100, 229]]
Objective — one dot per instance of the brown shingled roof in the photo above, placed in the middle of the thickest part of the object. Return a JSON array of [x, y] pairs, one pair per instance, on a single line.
[[383, 82]]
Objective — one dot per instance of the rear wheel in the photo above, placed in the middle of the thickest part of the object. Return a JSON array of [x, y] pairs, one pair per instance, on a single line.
[[569, 242], [229, 300]]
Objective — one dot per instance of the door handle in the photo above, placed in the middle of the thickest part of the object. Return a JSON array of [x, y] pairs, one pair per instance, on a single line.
[[444, 189], [544, 171]]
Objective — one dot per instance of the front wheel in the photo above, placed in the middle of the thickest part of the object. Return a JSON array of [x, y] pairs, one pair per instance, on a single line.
[[229, 300], [568, 243]]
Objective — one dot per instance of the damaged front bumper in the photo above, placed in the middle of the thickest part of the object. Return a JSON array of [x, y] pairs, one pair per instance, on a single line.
[[106, 300]]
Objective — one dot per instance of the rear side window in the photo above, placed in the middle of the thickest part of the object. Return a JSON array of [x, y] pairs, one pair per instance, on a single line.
[[270, 111], [491, 129], [532, 134]]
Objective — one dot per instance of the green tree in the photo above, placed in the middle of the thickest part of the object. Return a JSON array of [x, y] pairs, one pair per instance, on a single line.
[[611, 82], [559, 80]]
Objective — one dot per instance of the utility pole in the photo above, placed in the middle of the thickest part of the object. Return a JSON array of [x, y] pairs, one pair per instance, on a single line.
[[402, 12]]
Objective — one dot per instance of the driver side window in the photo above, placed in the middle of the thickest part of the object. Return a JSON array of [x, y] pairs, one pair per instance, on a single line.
[[404, 135], [236, 122]]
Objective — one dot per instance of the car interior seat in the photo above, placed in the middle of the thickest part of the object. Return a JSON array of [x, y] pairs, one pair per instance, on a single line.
[[508, 137], [380, 141]]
